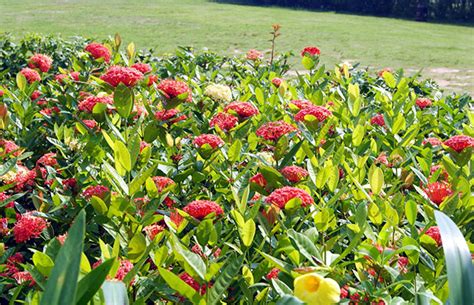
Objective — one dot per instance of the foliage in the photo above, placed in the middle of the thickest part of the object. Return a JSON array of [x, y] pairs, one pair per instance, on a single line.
[[172, 209]]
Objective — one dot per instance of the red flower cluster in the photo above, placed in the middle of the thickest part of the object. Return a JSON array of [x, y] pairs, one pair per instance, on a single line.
[[9, 147], [89, 103], [243, 109], [459, 142], [224, 120], [162, 182], [173, 88], [35, 95], [259, 180], [311, 51], [273, 274], [432, 141], [28, 227], [438, 191], [319, 112], [281, 196], [3, 198], [96, 190], [434, 233], [127, 76], [378, 120], [169, 115], [142, 67], [48, 159], [41, 62], [31, 75], [254, 55], [272, 131], [277, 81], [213, 140], [294, 173], [23, 178], [97, 51], [443, 173], [301, 104], [91, 124], [193, 283], [201, 208], [23, 277], [423, 102], [153, 230]]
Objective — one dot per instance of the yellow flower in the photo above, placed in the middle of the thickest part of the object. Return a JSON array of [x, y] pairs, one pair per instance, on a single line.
[[317, 290]]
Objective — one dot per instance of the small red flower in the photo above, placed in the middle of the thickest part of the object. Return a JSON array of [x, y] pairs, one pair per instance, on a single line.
[[91, 124], [423, 102], [213, 140], [9, 147], [23, 178], [127, 76], [224, 120], [31, 75], [432, 141], [310, 51], [443, 173], [294, 173], [125, 267], [152, 79], [70, 183], [438, 191], [272, 131], [41, 62], [153, 230], [142, 67], [89, 103], [35, 95], [243, 109], [277, 81], [193, 283], [201, 208], [319, 112], [381, 72], [459, 142], [378, 120], [62, 238], [344, 292], [301, 104], [96, 190], [254, 55], [402, 264], [28, 227], [23, 277], [273, 274], [97, 51], [434, 233], [48, 159], [259, 179], [173, 88], [281, 196], [162, 182]]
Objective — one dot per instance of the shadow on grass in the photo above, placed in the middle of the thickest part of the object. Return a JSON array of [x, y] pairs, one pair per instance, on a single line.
[[465, 23]]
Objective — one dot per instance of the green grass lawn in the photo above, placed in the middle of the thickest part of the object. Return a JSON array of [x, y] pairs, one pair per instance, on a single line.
[[229, 29]]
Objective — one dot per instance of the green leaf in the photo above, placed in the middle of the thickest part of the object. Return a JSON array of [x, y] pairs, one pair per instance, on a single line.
[[230, 270], [358, 135], [411, 211], [389, 79], [21, 81], [115, 178], [304, 245], [307, 62], [99, 205], [61, 285], [247, 232], [179, 285], [141, 178], [289, 300], [376, 180], [399, 123], [122, 155], [115, 293], [123, 100], [90, 284], [43, 263], [234, 151], [192, 260], [136, 247], [458, 261], [259, 96]]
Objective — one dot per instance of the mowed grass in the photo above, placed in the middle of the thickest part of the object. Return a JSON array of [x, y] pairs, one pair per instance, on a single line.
[[233, 29]]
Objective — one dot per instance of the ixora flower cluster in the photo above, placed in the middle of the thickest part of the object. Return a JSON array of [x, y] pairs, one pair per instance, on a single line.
[[202, 180]]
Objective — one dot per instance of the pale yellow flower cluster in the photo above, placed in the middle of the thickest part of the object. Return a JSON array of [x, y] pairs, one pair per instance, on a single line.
[[218, 92]]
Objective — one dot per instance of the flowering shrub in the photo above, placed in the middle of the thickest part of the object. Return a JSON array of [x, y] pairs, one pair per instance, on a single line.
[[198, 179]]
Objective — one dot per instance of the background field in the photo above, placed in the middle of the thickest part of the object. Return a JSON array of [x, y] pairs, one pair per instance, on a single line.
[[445, 52]]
